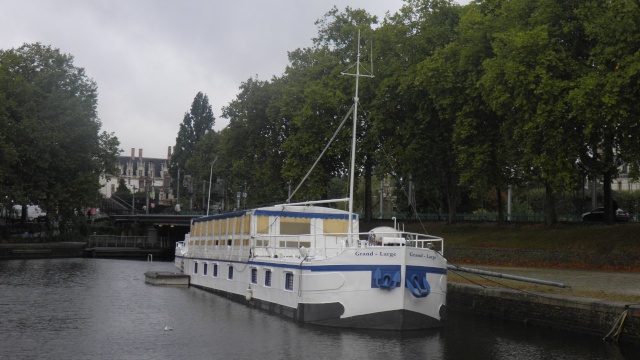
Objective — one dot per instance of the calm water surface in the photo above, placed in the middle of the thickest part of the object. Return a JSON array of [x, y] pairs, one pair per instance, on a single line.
[[102, 309]]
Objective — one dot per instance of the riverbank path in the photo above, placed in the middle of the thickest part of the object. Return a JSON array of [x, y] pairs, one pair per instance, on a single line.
[[610, 285]]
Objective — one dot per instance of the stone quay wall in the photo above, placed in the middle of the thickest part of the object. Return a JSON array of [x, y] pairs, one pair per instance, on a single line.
[[42, 250], [593, 317]]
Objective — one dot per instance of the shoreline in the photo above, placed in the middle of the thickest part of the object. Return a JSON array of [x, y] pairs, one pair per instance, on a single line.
[[599, 318], [592, 313]]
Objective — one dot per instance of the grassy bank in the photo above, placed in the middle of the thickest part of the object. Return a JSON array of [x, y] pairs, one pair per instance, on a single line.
[[526, 242], [587, 236]]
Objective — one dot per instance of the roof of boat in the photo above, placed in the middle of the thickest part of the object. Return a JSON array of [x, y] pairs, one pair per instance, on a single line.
[[295, 211]]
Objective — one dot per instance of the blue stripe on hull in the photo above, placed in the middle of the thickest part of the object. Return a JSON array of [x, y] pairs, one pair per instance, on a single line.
[[333, 268]]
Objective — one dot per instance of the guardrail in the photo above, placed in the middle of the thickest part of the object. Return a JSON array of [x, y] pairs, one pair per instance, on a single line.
[[141, 242]]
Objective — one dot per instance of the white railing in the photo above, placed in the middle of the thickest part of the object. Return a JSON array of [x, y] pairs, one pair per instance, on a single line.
[[323, 245], [312, 245]]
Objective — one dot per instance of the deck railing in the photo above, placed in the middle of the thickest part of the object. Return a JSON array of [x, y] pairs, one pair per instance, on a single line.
[[332, 244]]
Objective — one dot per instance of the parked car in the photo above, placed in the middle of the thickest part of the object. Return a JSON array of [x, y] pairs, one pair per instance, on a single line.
[[597, 214], [34, 213]]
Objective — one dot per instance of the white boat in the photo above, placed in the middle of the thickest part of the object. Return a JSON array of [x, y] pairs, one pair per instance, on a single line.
[[310, 263]]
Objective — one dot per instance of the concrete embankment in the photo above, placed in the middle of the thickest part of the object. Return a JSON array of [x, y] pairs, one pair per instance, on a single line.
[[42, 250], [596, 317]]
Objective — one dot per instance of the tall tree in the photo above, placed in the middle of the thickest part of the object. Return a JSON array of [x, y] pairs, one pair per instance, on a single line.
[[413, 131], [538, 50], [322, 99], [251, 152], [195, 124], [49, 118], [452, 75], [605, 99]]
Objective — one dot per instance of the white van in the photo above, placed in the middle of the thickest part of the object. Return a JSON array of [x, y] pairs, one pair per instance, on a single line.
[[34, 213]]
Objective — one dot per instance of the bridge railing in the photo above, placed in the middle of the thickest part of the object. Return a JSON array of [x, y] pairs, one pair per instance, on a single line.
[[141, 242]]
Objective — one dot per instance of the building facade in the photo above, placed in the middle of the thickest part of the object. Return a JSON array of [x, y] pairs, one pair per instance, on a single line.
[[623, 182], [140, 174]]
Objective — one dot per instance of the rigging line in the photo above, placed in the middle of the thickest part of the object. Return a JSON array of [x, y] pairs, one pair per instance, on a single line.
[[323, 151]]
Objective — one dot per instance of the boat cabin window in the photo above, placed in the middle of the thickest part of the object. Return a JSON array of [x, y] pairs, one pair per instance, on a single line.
[[294, 226], [230, 274], [204, 269], [262, 225], [254, 276], [288, 281], [215, 270], [267, 278], [195, 267], [334, 226]]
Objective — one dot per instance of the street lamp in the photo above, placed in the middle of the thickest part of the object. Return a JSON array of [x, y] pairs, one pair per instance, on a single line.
[[133, 201], [148, 188], [106, 187]]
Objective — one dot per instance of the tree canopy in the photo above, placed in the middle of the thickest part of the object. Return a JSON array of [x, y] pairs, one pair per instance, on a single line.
[[52, 149], [466, 101]]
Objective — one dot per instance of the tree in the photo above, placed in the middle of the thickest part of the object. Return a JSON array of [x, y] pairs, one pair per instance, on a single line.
[[195, 124], [251, 155], [605, 98], [414, 131], [452, 74], [537, 57], [48, 113]]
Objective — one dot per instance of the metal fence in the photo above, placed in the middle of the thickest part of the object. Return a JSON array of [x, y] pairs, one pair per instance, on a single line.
[[140, 242], [480, 217]]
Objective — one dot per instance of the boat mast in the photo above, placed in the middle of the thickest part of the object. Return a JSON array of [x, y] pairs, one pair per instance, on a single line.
[[353, 139]]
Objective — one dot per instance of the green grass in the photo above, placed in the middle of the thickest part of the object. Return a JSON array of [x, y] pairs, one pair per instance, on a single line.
[[583, 236]]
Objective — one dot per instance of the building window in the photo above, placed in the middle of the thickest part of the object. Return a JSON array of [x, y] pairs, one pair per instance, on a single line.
[[215, 270], [267, 278], [230, 275], [288, 281], [204, 269], [195, 268], [254, 276]]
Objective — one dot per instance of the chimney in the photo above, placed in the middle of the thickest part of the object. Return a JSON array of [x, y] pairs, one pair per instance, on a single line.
[[169, 153], [133, 153], [140, 154]]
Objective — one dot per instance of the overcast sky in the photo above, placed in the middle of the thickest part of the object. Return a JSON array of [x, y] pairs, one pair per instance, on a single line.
[[151, 57]]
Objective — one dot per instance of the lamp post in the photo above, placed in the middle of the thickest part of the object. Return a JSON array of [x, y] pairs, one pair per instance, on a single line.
[[106, 187], [204, 182], [148, 187], [133, 201]]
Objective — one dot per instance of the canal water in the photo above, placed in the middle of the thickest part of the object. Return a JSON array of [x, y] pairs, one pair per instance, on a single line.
[[102, 309]]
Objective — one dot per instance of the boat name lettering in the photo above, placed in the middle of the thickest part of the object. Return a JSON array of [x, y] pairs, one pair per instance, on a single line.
[[358, 253], [427, 256], [371, 253]]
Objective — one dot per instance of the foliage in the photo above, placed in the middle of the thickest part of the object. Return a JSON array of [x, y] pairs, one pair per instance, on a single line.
[[629, 201], [122, 191], [53, 152], [195, 125], [465, 102]]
